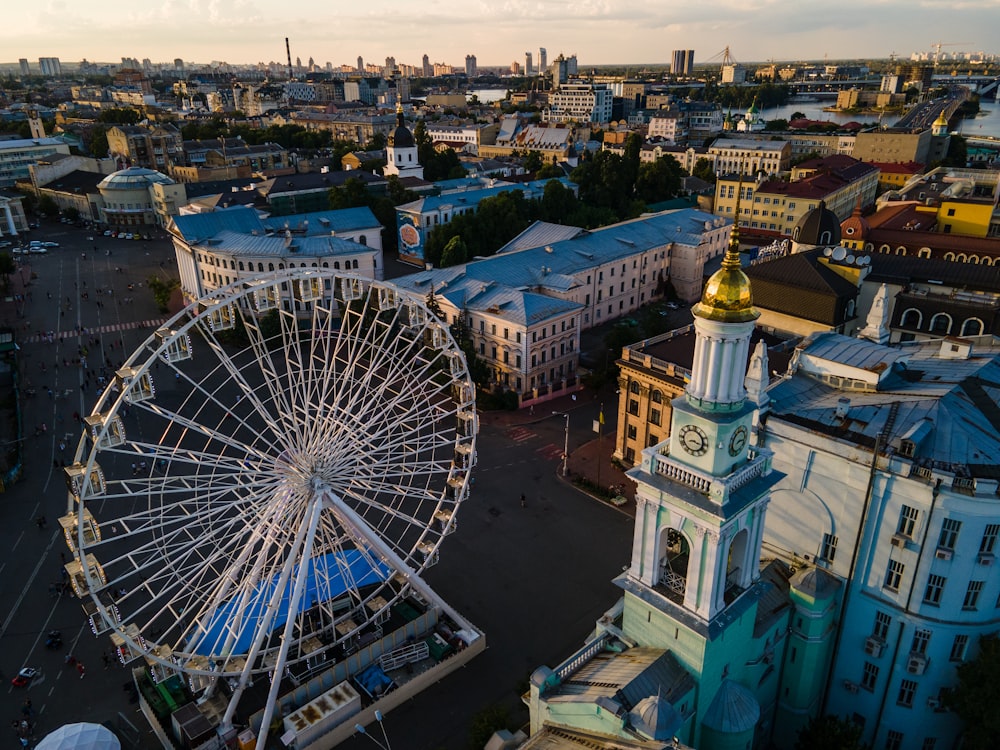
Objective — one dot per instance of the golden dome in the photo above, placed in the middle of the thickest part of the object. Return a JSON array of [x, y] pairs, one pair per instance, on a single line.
[[941, 119], [727, 296]]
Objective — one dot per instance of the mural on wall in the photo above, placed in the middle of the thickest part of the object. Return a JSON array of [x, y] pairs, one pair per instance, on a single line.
[[411, 246]]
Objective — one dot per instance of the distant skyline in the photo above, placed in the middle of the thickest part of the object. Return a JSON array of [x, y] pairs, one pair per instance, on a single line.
[[497, 33]]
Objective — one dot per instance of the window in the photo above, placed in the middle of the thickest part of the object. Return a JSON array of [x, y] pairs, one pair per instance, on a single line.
[[633, 407], [949, 533], [654, 416], [958, 648], [935, 585], [631, 432], [829, 549], [930, 743], [989, 540], [972, 593], [517, 336], [881, 627], [906, 690], [870, 676], [920, 640], [907, 521], [893, 740], [633, 387], [893, 575], [657, 397], [951, 212]]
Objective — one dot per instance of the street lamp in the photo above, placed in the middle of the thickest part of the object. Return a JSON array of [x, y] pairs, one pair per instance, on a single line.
[[361, 730], [565, 441]]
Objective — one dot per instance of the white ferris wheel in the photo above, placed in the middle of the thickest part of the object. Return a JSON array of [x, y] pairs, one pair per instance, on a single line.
[[268, 474]]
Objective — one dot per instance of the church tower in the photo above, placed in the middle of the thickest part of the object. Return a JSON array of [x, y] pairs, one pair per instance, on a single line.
[[401, 152], [695, 579]]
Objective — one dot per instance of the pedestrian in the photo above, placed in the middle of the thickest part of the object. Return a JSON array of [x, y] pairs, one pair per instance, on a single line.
[[524, 501], [40, 522], [80, 669]]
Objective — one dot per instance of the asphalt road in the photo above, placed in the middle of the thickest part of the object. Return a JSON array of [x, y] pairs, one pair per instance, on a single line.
[[534, 579]]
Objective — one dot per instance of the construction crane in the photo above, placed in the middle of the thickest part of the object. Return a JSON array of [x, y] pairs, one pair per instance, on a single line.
[[938, 45]]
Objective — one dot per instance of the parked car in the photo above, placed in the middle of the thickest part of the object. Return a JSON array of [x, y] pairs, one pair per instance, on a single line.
[[5, 244], [107, 232], [37, 250], [50, 244], [127, 235]]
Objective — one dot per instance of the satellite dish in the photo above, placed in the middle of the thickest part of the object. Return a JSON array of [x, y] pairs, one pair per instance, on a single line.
[[827, 251], [850, 259], [839, 253]]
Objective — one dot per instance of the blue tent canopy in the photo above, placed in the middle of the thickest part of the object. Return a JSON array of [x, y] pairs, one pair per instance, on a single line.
[[327, 579]]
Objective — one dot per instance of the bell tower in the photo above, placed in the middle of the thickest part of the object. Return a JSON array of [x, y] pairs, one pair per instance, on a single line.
[[701, 502]]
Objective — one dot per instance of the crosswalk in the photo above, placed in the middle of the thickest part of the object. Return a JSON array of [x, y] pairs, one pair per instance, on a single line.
[[548, 452], [39, 338]]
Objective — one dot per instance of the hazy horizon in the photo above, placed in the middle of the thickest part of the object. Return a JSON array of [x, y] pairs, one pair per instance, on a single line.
[[642, 32]]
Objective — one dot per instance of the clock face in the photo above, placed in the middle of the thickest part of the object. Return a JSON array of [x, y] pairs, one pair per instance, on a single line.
[[694, 440], [738, 441]]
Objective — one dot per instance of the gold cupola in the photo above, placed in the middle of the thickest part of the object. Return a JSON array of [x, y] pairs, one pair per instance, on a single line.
[[727, 295]]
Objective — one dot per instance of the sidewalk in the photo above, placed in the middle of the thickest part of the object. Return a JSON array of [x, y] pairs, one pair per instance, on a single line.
[[594, 456]]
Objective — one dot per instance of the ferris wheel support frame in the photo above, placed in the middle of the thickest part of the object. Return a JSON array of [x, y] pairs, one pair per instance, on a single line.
[[286, 636]]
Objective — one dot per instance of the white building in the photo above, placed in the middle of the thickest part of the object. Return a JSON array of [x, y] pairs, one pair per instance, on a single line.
[[580, 102], [670, 125], [401, 154], [215, 249], [17, 155]]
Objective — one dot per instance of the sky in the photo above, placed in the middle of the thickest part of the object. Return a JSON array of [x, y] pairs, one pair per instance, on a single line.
[[497, 32]]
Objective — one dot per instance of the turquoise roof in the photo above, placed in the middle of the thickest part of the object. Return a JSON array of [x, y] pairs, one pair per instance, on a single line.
[[472, 196], [324, 222]]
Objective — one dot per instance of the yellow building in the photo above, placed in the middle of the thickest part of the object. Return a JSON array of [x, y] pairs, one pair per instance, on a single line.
[[775, 206]]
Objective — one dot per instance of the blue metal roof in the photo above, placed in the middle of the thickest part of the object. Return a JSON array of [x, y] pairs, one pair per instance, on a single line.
[[195, 228], [325, 581], [324, 222]]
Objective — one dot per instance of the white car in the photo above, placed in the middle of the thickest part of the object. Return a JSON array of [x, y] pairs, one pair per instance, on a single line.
[[50, 244], [107, 232], [5, 244], [37, 250], [128, 235]]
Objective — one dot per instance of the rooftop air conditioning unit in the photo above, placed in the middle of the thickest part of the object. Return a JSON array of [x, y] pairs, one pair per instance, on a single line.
[[850, 687], [942, 554]]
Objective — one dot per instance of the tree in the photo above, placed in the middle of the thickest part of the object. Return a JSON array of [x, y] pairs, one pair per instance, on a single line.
[[532, 161], [351, 194], [830, 733], [977, 694], [47, 206], [120, 116], [779, 124], [454, 253], [796, 115], [659, 180], [99, 142], [703, 170]]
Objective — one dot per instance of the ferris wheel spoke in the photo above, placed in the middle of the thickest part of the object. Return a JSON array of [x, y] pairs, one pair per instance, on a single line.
[[267, 369]]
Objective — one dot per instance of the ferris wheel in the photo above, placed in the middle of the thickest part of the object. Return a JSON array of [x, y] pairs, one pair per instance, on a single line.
[[269, 474]]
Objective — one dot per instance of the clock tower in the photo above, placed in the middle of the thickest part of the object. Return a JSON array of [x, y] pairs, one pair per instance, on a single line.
[[706, 491]]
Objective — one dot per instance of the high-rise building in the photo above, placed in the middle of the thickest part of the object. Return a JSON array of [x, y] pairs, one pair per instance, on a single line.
[[427, 67], [179, 64], [682, 62], [527, 63], [50, 66], [25, 68], [572, 68], [515, 68], [470, 66], [390, 65], [361, 64], [543, 60]]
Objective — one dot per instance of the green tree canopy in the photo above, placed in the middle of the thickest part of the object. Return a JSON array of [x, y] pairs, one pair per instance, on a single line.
[[977, 695], [454, 253], [703, 170], [659, 180], [120, 116]]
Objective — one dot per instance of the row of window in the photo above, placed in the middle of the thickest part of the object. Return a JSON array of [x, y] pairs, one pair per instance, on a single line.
[[934, 589], [941, 324]]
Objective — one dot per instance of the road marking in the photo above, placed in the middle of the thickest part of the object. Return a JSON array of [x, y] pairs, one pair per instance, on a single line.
[[112, 328], [27, 585], [550, 451], [520, 434], [18, 541]]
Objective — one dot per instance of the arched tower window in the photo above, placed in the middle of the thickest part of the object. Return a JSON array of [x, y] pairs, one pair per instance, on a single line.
[[912, 319], [972, 327], [941, 323]]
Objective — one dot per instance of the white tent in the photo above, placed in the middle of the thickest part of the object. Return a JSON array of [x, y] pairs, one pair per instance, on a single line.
[[81, 736]]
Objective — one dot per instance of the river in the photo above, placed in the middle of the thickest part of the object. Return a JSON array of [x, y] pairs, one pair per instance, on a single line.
[[987, 122]]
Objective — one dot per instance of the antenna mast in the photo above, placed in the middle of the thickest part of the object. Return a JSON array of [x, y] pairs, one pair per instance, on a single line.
[[288, 50]]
